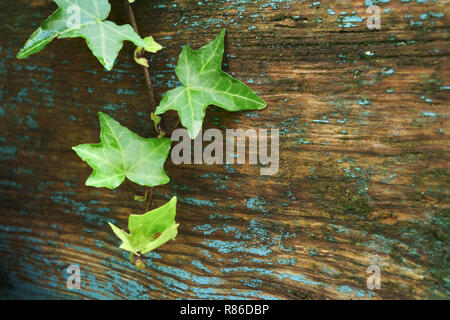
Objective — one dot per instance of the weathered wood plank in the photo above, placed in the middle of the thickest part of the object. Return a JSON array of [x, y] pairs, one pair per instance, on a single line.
[[363, 178]]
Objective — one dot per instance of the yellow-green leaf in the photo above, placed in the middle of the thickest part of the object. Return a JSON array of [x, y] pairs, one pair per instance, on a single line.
[[149, 230], [151, 45]]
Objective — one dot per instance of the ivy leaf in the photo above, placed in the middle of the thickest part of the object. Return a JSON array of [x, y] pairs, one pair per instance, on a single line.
[[123, 153], [204, 83], [151, 45], [86, 19], [149, 230]]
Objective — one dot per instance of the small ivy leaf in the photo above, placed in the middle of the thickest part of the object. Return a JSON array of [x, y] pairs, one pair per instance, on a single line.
[[204, 83], [86, 19], [151, 45], [139, 58], [149, 230], [123, 153], [156, 121]]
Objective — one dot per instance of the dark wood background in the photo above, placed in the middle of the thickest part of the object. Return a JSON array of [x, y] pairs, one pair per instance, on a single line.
[[364, 162]]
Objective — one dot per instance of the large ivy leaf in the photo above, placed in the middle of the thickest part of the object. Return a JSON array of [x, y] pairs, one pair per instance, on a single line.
[[204, 83], [86, 19], [149, 230], [123, 153]]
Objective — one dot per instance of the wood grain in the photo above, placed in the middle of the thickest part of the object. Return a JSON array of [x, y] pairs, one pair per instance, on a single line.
[[363, 179]]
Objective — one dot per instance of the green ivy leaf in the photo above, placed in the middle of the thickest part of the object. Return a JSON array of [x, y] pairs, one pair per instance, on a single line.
[[149, 230], [123, 153], [151, 45], [86, 19], [204, 83]]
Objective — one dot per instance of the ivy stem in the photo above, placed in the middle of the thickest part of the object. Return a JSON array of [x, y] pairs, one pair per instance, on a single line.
[[151, 95], [148, 198], [148, 81]]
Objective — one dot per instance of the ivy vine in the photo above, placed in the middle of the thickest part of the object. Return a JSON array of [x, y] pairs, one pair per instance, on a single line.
[[122, 154]]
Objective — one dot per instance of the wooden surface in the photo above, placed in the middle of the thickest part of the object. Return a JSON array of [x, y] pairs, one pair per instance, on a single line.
[[364, 162]]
